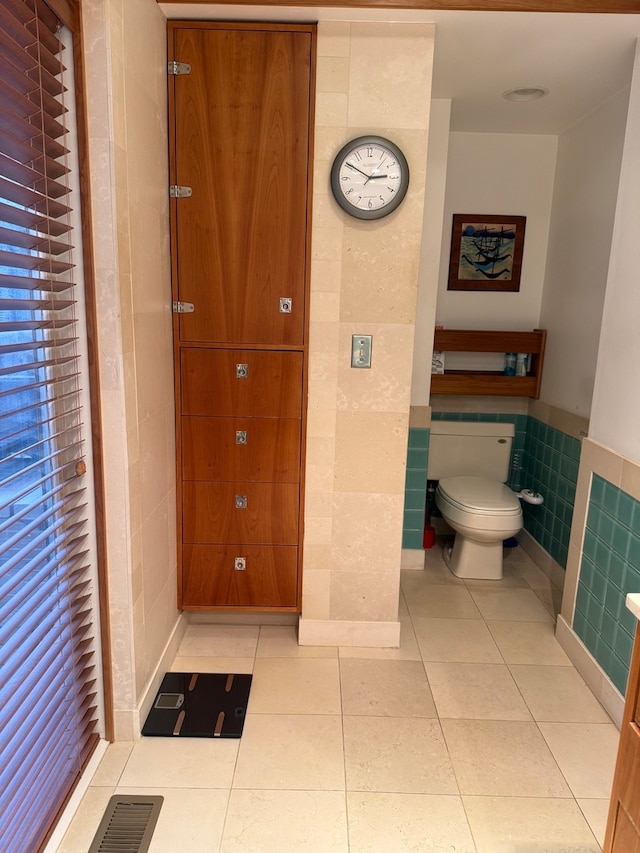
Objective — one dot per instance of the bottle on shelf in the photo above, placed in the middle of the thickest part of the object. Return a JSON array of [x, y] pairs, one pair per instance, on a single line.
[[522, 364], [510, 364]]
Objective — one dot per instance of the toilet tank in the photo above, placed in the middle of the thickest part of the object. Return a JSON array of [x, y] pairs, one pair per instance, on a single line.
[[472, 448]]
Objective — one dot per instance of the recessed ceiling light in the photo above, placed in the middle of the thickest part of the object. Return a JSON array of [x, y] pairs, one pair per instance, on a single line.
[[525, 93]]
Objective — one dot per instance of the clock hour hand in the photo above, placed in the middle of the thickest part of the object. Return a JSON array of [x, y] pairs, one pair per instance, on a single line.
[[373, 177]]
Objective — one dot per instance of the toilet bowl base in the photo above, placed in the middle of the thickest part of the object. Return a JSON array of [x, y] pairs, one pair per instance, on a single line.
[[474, 560]]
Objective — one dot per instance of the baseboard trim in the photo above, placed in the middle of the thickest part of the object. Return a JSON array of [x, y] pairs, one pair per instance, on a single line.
[[153, 684], [336, 632], [596, 678], [542, 558], [412, 558], [69, 812]]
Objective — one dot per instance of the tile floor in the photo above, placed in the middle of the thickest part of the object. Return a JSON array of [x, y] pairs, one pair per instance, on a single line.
[[476, 736]]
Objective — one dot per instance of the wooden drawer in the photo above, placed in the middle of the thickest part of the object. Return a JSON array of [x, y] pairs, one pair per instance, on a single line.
[[249, 449], [210, 577], [211, 515], [241, 383]]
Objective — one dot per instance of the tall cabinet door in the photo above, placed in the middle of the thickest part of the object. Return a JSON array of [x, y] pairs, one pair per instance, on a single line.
[[240, 135], [241, 145]]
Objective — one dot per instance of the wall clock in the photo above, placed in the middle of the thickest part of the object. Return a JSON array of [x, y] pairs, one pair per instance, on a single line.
[[369, 177]]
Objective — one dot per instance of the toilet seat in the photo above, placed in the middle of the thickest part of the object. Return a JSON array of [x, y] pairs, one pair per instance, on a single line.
[[479, 496]]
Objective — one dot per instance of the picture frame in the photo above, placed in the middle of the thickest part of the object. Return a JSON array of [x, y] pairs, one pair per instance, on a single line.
[[486, 252]]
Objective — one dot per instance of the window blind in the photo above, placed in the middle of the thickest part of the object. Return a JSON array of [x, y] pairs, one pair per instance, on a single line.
[[48, 675]]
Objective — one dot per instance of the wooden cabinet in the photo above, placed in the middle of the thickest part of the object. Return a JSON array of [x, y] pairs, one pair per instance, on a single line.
[[241, 120], [483, 382], [623, 825]]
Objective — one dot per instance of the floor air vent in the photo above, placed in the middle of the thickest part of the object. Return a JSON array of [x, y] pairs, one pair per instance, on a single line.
[[127, 825]]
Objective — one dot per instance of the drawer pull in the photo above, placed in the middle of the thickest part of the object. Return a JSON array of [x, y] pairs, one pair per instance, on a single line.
[[242, 371], [241, 501], [241, 436], [240, 564]]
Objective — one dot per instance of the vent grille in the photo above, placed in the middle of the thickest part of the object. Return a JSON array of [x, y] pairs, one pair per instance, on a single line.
[[127, 825]]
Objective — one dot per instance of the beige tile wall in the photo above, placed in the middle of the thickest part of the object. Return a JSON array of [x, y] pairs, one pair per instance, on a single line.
[[372, 78], [126, 60]]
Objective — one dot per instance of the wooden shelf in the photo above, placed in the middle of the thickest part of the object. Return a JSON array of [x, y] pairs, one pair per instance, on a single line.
[[483, 382]]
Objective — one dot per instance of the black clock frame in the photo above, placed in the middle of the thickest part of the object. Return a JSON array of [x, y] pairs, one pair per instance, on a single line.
[[338, 161]]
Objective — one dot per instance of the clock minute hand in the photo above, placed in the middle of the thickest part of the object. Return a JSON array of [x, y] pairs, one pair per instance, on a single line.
[[355, 168]]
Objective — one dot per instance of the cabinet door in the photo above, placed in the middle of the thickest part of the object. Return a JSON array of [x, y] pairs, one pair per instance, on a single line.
[[252, 449], [240, 576], [253, 513], [626, 793], [241, 383], [242, 135]]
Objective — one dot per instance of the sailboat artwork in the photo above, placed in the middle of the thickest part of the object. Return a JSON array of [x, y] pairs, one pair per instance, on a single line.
[[486, 253]]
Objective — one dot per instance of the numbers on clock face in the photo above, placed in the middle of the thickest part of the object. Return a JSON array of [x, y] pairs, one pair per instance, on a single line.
[[370, 176]]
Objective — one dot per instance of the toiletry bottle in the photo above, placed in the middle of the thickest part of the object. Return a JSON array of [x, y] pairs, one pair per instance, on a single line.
[[510, 364], [522, 363]]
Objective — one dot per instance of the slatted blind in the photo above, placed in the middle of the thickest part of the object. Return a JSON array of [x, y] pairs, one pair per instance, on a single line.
[[48, 672]]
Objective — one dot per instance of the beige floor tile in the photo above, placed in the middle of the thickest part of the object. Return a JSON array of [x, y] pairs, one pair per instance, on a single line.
[[532, 574], [516, 605], [475, 691], [294, 752], [112, 765], [462, 641], [239, 641], [181, 763], [586, 754], [558, 694], [528, 643], [596, 813], [435, 573], [86, 821], [408, 649], [295, 686], [407, 823], [502, 758], [527, 825], [282, 821], [382, 688], [551, 600], [281, 641], [442, 601], [191, 819], [403, 610], [511, 579], [203, 663], [397, 755]]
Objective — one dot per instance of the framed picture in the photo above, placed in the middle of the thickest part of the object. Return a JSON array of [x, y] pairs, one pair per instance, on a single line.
[[486, 252]]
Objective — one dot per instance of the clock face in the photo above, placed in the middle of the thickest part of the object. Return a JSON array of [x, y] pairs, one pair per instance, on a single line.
[[369, 177]]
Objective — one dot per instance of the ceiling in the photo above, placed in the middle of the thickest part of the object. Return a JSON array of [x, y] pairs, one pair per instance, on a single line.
[[583, 59]]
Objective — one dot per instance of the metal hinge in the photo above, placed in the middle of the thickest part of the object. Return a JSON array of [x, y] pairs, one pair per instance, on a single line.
[[178, 68], [183, 307], [176, 191]]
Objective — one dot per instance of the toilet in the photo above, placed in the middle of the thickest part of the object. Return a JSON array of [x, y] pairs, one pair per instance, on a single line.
[[471, 459]]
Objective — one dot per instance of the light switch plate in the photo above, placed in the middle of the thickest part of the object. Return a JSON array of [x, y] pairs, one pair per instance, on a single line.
[[361, 350]]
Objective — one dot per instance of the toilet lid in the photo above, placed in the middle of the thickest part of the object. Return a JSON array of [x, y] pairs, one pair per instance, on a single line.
[[480, 495]]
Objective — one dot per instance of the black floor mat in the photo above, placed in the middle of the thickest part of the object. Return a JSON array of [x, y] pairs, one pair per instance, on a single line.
[[192, 704]]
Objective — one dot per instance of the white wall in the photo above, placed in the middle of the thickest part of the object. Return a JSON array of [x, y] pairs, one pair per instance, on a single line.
[[500, 174], [615, 416], [432, 236], [584, 204]]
